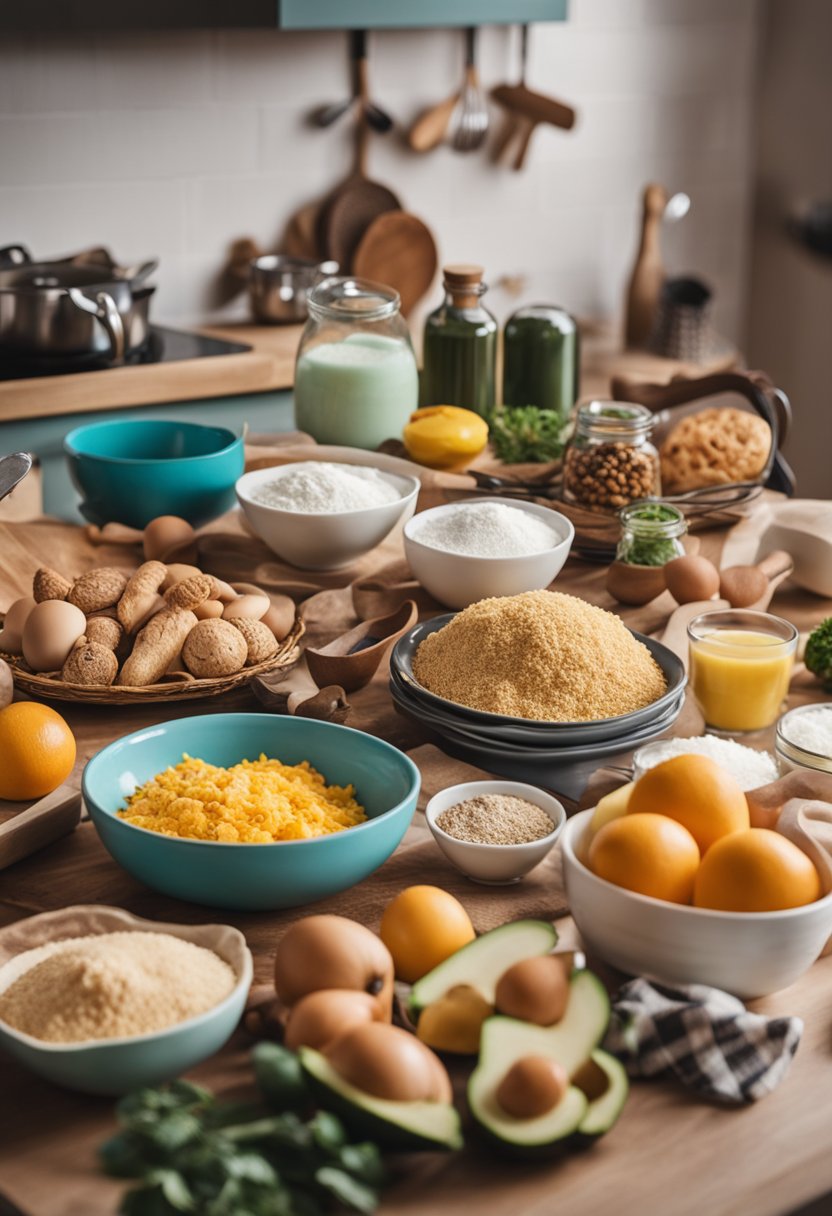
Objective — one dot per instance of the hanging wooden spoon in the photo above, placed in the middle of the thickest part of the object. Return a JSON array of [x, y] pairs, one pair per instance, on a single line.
[[431, 126]]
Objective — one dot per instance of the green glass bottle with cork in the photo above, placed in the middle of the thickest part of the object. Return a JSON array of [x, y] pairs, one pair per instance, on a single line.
[[541, 359], [460, 346]]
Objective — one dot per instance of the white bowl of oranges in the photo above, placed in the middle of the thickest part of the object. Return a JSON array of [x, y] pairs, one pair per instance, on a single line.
[[669, 880]]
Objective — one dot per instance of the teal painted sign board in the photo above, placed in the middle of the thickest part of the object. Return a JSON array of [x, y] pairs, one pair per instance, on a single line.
[[405, 14]]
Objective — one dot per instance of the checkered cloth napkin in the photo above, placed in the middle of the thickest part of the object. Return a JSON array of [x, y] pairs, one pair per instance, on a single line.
[[705, 1038]]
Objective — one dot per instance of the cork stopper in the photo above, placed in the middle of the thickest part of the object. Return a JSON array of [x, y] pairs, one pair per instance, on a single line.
[[464, 282]]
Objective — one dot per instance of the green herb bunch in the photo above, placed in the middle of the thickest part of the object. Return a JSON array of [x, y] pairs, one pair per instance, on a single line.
[[523, 434], [640, 548], [818, 656], [191, 1153]]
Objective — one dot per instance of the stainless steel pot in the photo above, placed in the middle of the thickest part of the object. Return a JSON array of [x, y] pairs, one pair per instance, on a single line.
[[63, 310], [278, 286]]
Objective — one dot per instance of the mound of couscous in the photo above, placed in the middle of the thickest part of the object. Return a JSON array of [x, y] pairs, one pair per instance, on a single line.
[[253, 802]]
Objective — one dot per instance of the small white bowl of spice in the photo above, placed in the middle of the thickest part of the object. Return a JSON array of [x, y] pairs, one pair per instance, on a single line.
[[483, 547], [495, 832]]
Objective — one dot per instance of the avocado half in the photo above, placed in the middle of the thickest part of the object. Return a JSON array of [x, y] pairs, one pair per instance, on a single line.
[[483, 961], [406, 1126], [572, 1042]]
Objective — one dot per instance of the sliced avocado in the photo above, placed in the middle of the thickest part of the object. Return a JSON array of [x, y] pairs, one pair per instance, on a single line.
[[603, 1111], [409, 1126], [571, 1041], [481, 963]]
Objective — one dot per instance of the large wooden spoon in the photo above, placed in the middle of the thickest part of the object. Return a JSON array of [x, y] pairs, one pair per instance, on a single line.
[[352, 659]]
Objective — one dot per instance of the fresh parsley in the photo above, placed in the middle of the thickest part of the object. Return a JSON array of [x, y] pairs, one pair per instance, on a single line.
[[522, 434], [191, 1153]]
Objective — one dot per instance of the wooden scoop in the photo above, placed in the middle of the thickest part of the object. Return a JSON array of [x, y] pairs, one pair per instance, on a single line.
[[747, 586], [807, 822], [352, 660]]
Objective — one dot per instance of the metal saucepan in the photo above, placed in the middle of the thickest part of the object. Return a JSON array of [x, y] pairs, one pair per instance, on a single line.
[[58, 309], [278, 286]]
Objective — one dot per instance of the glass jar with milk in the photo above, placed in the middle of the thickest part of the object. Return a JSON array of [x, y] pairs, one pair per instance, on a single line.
[[356, 381]]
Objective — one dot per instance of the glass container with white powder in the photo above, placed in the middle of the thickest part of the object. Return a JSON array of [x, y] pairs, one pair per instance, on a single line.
[[356, 381], [804, 738]]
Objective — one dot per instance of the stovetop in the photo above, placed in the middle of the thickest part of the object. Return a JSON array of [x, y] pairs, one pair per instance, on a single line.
[[163, 346]]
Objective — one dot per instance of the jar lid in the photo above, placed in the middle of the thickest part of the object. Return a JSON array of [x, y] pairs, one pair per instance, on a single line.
[[349, 299], [557, 317], [613, 420]]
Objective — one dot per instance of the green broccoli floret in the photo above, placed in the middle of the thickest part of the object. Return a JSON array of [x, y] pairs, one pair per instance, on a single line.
[[818, 656]]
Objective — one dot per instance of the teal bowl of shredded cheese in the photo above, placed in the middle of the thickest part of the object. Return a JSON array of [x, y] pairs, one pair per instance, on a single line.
[[250, 811]]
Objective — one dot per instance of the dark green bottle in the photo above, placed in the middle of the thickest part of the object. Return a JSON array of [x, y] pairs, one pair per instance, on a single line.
[[540, 358], [460, 347]]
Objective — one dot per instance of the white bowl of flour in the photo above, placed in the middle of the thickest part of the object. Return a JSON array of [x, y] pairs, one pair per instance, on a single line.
[[320, 515], [482, 547]]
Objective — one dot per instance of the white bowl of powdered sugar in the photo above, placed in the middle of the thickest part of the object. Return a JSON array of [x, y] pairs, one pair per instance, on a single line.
[[469, 551], [319, 515]]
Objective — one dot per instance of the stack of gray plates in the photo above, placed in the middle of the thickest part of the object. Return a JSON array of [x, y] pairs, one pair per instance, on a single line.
[[561, 755]]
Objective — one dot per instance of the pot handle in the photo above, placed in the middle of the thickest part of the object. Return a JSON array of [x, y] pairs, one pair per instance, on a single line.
[[14, 255], [104, 309]]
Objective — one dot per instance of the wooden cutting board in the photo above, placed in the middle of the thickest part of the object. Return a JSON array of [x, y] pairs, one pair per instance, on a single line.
[[26, 827], [398, 249]]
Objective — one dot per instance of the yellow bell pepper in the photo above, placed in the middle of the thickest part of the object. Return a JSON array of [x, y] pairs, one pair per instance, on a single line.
[[443, 436]]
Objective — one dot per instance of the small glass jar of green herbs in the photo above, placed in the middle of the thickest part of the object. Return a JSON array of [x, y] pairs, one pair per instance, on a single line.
[[651, 534]]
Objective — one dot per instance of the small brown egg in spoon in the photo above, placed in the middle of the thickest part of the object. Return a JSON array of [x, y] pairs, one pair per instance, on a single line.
[[691, 578]]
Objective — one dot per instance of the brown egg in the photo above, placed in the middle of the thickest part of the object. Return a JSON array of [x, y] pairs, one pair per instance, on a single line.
[[332, 952], [164, 534], [224, 591], [742, 586], [207, 610], [532, 1087], [691, 578], [6, 685], [11, 635], [51, 630], [389, 1063], [320, 1017], [247, 589], [281, 616], [254, 607], [534, 990]]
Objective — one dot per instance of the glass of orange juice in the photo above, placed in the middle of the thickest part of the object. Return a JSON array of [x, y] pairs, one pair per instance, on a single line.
[[740, 666]]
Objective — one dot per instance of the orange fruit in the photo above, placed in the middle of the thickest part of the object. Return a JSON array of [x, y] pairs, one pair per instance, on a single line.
[[697, 793], [649, 854], [422, 927], [756, 871], [37, 751]]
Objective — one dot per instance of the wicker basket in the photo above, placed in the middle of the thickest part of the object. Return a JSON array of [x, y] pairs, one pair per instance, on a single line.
[[50, 688]]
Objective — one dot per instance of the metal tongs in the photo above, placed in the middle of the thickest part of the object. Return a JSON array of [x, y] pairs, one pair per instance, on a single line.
[[705, 500]]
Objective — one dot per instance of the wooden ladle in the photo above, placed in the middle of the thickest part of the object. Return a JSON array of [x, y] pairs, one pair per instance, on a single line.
[[776, 567], [352, 660]]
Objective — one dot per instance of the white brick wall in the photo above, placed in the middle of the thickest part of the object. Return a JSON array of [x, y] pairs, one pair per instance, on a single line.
[[175, 144]]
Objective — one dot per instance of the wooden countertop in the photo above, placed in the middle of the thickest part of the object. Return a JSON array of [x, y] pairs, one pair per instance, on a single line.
[[670, 1154], [269, 367]]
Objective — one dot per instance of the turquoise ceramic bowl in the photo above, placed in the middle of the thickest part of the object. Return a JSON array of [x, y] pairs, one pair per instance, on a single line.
[[116, 1066], [254, 876], [129, 472]]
